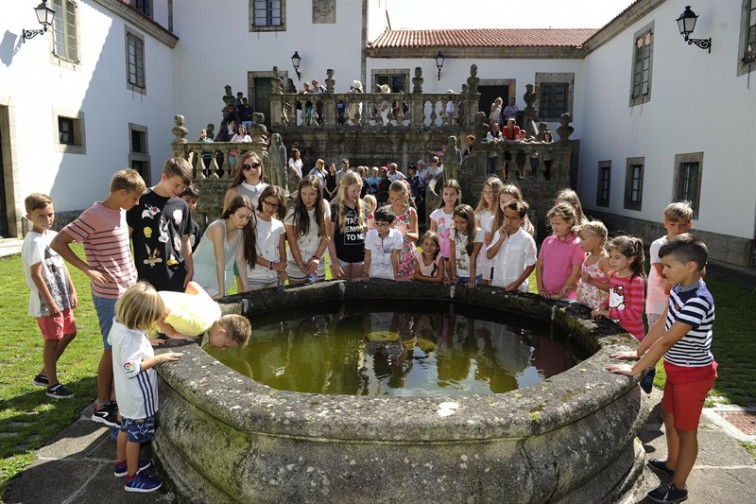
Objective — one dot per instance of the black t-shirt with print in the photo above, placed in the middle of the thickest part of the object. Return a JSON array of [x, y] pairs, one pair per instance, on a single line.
[[350, 244], [159, 225]]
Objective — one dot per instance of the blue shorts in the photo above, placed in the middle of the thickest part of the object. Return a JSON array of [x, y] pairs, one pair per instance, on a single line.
[[141, 430], [105, 312], [464, 280]]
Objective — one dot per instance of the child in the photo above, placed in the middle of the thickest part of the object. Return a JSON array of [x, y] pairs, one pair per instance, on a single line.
[[227, 241], [159, 229], [103, 231], [270, 240], [382, 247], [192, 313], [428, 263], [626, 285], [347, 249], [307, 233], [684, 336], [507, 193], [484, 215], [513, 250], [137, 310], [560, 257], [370, 205], [593, 285], [467, 239], [442, 218], [406, 223], [571, 197], [53, 296], [191, 196]]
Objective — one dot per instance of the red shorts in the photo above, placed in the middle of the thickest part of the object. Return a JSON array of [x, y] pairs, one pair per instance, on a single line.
[[55, 327], [686, 400]]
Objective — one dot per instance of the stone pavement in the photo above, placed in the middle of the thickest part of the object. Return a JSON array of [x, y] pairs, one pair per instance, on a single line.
[[76, 467]]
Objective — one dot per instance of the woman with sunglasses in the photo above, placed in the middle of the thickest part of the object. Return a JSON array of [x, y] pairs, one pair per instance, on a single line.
[[248, 181]]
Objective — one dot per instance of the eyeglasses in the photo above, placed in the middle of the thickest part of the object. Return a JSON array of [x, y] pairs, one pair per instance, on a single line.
[[250, 166], [271, 205]]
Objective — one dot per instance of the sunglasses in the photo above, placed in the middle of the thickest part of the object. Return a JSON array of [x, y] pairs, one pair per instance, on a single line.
[[250, 166]]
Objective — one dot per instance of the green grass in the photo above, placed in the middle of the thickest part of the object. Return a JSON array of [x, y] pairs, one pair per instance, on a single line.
[[28, 419]]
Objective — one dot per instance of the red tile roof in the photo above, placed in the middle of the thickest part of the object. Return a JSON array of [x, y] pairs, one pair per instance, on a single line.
[[515, 37]]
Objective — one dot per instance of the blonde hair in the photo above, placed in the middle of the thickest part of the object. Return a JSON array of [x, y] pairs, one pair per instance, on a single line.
[[495, 184], [238, 329], [571, 197], [128, 180], [595, 227], [369, 199], [178, 167], [349, 179], [35, 201], [563, 210], [139, 307], [679, 211]]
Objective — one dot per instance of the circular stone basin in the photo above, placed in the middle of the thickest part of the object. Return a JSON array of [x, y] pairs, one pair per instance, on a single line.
[[227, 438]]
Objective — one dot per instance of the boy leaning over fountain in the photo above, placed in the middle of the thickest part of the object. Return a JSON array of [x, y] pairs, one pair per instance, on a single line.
[[684, 336]]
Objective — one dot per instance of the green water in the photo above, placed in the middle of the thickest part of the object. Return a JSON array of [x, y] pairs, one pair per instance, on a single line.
[[368, 350]]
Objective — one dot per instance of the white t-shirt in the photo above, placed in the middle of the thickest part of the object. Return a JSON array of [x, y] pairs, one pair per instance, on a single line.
[[308, 243], [268, 239], [36, 249], [135, 388], [516, 253], [444, 222], [460, 243], [381, 250], [485, 218], [656, 299]]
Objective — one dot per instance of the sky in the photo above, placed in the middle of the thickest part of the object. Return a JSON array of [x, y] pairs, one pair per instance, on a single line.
[[446, 14]]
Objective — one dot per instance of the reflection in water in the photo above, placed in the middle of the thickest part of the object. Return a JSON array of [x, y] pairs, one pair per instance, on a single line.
[[421, 353]]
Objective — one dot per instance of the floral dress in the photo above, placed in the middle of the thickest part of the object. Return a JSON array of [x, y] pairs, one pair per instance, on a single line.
[[407, 254], [588, 294]]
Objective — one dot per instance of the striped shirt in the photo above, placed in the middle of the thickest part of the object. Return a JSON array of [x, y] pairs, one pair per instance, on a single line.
[[105, 236], [692, 305]]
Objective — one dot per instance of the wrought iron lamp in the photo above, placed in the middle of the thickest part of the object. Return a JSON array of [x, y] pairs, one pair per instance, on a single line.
[[687, 23], [45, 17], [440, 62], [296, 60]]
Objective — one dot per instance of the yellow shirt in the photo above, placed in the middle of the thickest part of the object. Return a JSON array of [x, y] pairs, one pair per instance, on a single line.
[[190, 314]]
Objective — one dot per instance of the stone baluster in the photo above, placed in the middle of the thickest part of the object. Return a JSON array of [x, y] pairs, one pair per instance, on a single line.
[[433, 115], [276, 100], [214, 168], [199, 166], [417, 109], [179, 136]]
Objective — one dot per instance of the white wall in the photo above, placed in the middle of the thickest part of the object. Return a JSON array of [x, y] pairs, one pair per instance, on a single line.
[[698, 104], [34, 84], [216, 48]]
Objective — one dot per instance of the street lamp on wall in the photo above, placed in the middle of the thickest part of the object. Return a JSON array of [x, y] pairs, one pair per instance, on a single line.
[[440, 63], [687, 23], [45, 16], [296, 60]]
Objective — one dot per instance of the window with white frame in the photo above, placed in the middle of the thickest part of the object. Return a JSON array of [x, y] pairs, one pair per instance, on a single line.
[[64, 30], [643, 49], [687, 181], [603, 188], [267, 15], [135, 78], [634, 183], [747, 46]]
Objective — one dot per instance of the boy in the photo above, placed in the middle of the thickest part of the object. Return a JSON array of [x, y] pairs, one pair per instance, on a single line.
[[684, 337], [103, 231], [191, 196], [191, 313], [513, 250], [53, 296], [677, 217], [382, 247], [159, 229], [136, 382]]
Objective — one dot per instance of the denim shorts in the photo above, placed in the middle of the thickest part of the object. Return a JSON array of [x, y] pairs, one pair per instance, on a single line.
[[141, 430], [105, 313], [464, 280]]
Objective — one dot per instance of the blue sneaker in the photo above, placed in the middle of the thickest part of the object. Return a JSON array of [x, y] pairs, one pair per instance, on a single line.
[[667, 492], [142, 483], [647, 382], [120, 469]]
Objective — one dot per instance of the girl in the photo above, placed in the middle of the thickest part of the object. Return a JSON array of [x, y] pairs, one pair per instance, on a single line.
[[507, 193], [295, 162], [571, 197], [319, 171], [330, 184], [405, 221], [494, 116], [270, 241], [626, 285], [484, 215], [227, 242], [347, 249], [370, 205], [560, 257], [428, 264], [442, 218], [468, 239], [307, 233], [593, 284], [248, 181]]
